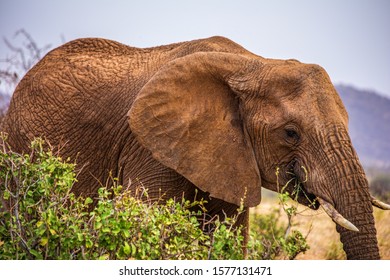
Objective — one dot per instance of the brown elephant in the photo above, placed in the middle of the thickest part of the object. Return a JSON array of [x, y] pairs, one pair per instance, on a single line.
[[204, 118]]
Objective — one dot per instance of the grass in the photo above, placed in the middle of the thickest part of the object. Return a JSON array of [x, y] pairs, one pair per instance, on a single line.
[[321, 231]]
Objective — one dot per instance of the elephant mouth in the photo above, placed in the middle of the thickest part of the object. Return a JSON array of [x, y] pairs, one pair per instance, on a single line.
[[298, 192], [296, 181]]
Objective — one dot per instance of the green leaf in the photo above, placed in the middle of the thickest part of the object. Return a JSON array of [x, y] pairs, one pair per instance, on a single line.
[[80, 237], [36, 254], [98, 225], [6, 195], [133, 249], [106, 230], [88, 200], [104, 257], [41, 231], [88, 243], [126, 248], [44, 241], [115, 231]]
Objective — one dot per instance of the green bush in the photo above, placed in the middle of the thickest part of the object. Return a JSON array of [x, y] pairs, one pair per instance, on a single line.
[[46, 220], [271, 239]]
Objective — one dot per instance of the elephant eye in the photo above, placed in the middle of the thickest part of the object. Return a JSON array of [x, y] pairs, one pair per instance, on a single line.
[[292, 135]]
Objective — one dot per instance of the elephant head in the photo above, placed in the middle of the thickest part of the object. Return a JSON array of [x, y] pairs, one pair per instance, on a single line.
[[230, 123]]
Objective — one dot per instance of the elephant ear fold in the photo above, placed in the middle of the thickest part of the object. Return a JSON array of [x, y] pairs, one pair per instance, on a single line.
[[188, 116]]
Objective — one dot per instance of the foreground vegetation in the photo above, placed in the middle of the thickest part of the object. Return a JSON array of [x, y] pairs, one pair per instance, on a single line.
[[47, 221]]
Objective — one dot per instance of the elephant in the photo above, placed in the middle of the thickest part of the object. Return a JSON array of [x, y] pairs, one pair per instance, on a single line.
[[198, 119]]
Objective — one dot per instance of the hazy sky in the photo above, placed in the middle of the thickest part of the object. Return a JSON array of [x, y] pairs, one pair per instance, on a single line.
[[349, 38]]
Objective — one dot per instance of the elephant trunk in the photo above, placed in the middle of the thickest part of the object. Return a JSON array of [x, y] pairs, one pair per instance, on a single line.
[[353, 202]]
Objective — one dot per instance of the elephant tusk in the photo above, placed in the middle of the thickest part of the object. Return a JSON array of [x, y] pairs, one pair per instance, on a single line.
[[381, 205], [336, 216]]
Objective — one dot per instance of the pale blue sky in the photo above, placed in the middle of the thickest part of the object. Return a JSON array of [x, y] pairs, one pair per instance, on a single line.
[[349, 38]]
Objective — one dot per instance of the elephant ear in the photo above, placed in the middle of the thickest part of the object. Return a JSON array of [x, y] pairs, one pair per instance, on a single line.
[[188, 116]]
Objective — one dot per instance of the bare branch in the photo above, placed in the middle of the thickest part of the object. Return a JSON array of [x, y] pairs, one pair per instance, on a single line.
[[23, 56]]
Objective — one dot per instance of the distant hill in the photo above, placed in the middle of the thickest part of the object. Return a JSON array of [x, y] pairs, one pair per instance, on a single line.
[[369, 125]]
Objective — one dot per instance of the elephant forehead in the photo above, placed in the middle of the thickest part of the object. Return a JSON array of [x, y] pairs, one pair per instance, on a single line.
[[303, 91], [286, 79]]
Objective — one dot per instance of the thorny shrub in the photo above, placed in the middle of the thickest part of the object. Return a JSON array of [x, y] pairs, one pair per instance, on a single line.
[[40, 218]]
